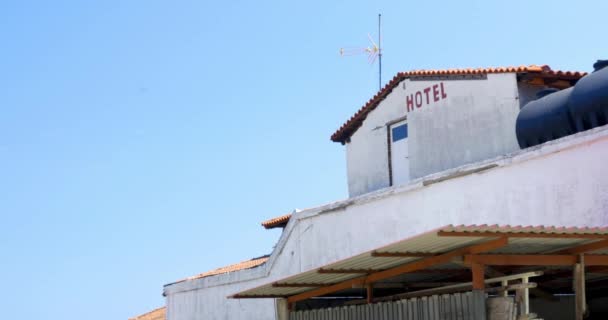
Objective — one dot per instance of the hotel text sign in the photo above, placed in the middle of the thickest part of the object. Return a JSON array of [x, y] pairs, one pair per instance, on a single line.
[[425, 97]]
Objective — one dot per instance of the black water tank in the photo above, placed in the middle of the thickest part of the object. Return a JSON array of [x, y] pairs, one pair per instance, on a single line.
[[589, 99], [544, 119]]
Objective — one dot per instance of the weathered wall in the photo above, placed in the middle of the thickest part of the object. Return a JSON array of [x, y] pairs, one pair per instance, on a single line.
[[561, 183], [456, 122], [206, 298], [475, 122]]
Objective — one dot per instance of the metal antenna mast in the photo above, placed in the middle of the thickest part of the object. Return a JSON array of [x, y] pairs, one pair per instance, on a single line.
[[373, 52], [379, 51]]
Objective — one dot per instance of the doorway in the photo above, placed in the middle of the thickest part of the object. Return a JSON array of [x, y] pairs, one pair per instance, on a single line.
[[400, 162]]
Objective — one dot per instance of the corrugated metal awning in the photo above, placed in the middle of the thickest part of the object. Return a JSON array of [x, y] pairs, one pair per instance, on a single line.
[[428, 255]]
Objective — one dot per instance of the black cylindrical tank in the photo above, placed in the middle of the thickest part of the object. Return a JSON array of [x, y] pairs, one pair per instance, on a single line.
[[589, 99], [544, 119]]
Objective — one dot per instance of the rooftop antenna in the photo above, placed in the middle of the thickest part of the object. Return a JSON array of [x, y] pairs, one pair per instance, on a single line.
[[373, 52]]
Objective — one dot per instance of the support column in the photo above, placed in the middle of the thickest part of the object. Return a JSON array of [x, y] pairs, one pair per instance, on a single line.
[[370, 293], [479, 295], [579, 288], [526, 296], [281, 309], [478, 271]]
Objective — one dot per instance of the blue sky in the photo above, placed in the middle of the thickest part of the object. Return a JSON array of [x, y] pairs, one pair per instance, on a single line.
[[144, 141]]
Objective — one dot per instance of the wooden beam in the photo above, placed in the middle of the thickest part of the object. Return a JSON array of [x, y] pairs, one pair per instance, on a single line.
[[478, 276], [423, 263], [521, 235], [367, 271], [239, 296], [597, 245], [403, 254], [535, 260], [299, 285], [596, 260]]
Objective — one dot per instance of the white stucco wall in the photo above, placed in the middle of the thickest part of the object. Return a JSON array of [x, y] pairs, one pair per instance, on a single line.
[[475, 121], [206, 298], [560, 183]]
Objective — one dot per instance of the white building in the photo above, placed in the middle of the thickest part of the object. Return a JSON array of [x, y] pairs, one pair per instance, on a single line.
[[432, 149]]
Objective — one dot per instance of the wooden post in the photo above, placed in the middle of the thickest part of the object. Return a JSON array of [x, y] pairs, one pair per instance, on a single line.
[[579, 288], [526, 297], [478, 276], [479, 295], [505, 293], [370, 293]]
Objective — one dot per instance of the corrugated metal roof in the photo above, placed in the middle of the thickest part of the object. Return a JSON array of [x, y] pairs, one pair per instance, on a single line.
[[522, 240]]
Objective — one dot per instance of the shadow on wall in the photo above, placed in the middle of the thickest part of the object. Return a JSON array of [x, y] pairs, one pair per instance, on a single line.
[[563, 308]]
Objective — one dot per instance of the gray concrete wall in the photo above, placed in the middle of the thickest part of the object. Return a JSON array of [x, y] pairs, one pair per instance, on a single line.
[[560, 183], [474, 121]]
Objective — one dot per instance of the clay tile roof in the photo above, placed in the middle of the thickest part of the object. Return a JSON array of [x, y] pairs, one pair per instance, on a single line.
[[248, 264], [350, 126], [276, 222], [156, 314]]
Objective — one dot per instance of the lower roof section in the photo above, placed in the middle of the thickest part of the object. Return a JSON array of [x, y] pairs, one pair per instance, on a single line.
[[243, 265], [156, 314], [424, 256]]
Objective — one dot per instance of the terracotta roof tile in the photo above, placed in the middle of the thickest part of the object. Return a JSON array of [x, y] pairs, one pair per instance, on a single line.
[[276, 222], [255, 262], [248, 264], [350, 126], [156, 314]]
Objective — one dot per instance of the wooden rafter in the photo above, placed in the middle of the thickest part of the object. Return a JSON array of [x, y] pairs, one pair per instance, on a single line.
[[597, 245], [238, 296], [482, 234], [367, 271], [423, 263], [535, 260], [298, 285]]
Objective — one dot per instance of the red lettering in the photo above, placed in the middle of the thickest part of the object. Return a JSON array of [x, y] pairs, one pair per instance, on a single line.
[[418, 99], [435, 92], [443, 95], [410, 102], [426, 92]]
